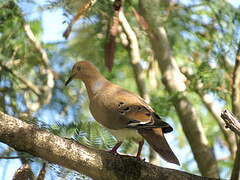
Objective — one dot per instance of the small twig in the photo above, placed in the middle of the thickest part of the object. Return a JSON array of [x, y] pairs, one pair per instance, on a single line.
[[9, 157], [29, 84], [42, 173], [79, 14], [23, 172], [231, 121], [143, 23]]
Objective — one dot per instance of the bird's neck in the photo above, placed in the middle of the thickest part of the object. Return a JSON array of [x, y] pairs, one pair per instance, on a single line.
[[94, 84]]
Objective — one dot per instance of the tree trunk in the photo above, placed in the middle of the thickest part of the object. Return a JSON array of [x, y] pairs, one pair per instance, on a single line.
[[173, 79], [236, 110]]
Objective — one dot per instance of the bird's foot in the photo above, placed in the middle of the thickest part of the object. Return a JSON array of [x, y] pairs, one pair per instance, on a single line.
[[114, 149], [140, 159], [113, 152]]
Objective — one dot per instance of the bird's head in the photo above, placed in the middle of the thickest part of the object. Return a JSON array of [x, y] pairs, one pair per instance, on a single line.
[[82, 70]]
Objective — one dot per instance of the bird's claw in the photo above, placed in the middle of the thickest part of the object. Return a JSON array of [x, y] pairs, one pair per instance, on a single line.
[[140, 159]]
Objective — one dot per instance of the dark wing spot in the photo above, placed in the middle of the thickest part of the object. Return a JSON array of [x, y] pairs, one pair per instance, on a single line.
[[133, 121], [126, 109], [139, 108], [122, 112], [120, 104], [148, 114]]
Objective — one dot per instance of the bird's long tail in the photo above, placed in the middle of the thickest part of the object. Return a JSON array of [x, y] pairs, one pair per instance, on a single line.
[[157, 141]]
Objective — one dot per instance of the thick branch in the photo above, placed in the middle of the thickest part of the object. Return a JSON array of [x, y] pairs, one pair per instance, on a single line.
[[236, 86], [70, 154], [174, 81], [135, 55], [236, 109]]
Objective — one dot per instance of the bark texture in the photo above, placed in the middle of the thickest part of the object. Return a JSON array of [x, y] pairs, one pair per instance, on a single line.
[[231, 121], [173, 79], [236, 111], [97, 164]]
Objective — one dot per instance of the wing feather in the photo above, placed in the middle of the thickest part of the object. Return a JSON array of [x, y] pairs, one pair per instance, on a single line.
[[140, 117]]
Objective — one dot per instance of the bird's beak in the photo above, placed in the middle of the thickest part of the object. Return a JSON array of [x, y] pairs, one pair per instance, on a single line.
[[69, 79]]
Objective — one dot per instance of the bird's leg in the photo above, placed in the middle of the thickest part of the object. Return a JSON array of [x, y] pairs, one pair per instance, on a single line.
[[114, 149], [140, 149]]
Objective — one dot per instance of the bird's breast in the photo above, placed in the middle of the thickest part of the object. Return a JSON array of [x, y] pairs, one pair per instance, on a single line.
[[103, 107], [126, 133]]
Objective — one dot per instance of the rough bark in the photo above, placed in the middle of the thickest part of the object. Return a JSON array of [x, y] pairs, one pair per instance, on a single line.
[[97, 164], [236, 110], [173, 79], [231, 121]]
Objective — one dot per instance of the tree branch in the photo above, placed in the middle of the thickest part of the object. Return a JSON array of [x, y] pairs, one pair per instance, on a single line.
[[206, 99], [27, 83], [79, 14], [36, 44], [134, 55], [236, 85], [231, 121], [174, 82], [236, 110], [10, 157], [45, 69], [97, 164]]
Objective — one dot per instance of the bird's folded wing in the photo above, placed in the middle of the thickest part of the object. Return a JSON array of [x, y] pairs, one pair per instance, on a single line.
[[142, 117]]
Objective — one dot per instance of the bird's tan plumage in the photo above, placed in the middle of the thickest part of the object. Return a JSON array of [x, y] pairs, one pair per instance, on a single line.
[[122, 112]]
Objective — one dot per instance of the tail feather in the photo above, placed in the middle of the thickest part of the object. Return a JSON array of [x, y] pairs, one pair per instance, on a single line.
[[157, 141]]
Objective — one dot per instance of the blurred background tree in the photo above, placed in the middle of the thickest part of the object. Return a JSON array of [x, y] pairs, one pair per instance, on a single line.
[[178, 55]]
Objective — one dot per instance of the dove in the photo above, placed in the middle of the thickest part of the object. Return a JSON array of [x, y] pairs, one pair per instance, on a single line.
[[123, 113]]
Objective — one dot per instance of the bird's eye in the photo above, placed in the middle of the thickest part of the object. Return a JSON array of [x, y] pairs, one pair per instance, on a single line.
[[78, 68]]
